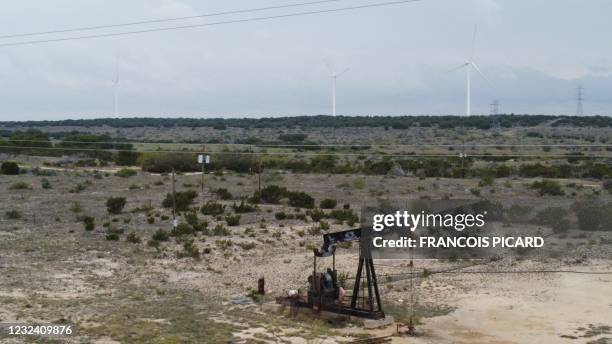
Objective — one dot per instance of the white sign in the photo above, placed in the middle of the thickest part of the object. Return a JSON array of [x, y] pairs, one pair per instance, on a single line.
[[203, 159]]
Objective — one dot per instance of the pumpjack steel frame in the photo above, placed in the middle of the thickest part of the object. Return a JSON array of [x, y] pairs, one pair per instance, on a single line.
[[370, 306]]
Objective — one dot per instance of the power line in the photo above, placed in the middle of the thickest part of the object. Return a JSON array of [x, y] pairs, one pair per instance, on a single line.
[[323, 145], [215, 14], [495, 107], [534, 156], [580, 100], [125, 33]]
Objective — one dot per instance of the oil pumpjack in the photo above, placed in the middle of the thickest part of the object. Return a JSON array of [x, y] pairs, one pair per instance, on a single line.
[[324, 291]]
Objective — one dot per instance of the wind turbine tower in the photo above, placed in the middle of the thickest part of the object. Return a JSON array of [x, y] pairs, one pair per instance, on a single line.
[[469, 65], [334, 78]]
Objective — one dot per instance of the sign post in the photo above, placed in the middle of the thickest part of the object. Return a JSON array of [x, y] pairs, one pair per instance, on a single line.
[[203, 159]]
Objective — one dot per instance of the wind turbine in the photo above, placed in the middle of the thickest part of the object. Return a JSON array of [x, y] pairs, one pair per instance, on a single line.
[[334, 77], [116, 89], [468, 65]]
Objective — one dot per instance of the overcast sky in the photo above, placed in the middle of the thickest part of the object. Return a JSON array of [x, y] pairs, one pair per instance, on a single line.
[[535, 53]]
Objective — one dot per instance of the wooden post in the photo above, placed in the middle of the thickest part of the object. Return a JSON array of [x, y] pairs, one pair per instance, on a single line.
[[259, 178], [203, 163], [173, 199]]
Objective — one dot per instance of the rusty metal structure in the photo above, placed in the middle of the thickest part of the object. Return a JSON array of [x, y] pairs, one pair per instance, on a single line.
[[325, 293]]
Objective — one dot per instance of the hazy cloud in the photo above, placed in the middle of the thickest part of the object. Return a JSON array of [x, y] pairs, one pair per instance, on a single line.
[[534, 52]]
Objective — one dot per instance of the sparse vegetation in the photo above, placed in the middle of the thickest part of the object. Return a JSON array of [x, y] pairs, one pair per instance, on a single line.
[[12, 215], [89, 222], [21, 186], [212, 208], [555, 218], [126, 173], [115, 205], [548, 187], [328, 203], [183, 200], [133, 238], [9, 168], [161, 235], [223, 194], [301, 199], [243, 207], [45, 184], [232, 220]]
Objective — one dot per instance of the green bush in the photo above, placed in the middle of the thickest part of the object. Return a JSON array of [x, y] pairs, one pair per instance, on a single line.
[[126, 173], [12, 214], [232, 220], [247, 246], [316, 214], [45, 184], [223, 194], [77, 188], [328, 203], [165, 162], [344, 215], [198, 226], [281, 215], [112, 237], [115, 205], [76, 207], [9, 168], [548, 187], [133, 238], [160, 235], [182, 229], [486, 180], [21, 186], [184, 199], [221, 230], [89, 223], [212, 208], [301, 199], [154, 243], [270, 194], [243, 207], [554, 217], [190, 250]]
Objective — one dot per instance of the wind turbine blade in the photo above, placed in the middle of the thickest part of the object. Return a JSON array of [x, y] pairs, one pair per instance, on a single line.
[[482, 75], [329, 67], [343, 72], [473, 43], [458, 67]]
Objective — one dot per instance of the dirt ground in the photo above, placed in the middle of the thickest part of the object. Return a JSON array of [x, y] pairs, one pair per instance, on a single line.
[[52, 270]]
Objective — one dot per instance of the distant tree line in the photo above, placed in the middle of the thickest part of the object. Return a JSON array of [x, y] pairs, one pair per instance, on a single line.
[[395, 122], [104, 149], [38, 143]]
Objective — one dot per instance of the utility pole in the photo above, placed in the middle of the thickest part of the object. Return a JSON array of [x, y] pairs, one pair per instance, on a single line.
[[580, 99], [174, 222], [203, 159], [259, 179]]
